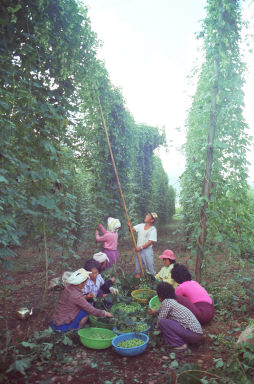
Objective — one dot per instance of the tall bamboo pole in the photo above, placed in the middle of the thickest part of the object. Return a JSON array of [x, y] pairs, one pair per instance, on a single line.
[[119, 184]]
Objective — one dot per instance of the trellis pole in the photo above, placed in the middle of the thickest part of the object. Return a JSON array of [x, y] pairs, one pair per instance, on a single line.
[[119, 185], [207, 177]]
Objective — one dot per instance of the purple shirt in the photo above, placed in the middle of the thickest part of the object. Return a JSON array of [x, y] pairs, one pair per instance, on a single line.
[[70, 303], [193, 292]]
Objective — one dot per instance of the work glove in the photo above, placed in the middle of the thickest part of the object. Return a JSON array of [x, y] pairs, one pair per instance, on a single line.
[[114, 291]]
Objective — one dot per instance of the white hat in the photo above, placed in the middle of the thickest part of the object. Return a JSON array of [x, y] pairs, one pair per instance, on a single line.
[[113, 224], [100, 257], [78, 277]]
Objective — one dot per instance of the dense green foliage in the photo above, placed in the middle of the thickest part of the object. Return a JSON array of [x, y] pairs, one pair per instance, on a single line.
[[165, 207], [56, 175], [229, 222], [57, 180]]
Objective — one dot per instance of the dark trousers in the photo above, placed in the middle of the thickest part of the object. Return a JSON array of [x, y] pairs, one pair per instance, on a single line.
[[204, 312], [105, 287], [175, 334]]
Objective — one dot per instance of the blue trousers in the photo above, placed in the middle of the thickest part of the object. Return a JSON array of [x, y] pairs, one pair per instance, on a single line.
[[72, 325], [146, 256]]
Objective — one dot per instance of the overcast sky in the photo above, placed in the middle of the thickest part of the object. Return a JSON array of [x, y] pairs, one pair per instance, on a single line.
[[149, 49]]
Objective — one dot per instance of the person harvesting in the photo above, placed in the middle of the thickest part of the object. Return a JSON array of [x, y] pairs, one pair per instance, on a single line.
[[109, 240], [177, 323], [192, 295], [164, 274], [95, 285], [147, 236], [101, 258], [73, 309]]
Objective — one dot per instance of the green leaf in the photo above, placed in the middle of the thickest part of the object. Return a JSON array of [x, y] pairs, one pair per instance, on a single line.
[[219, 362], [28, 345], [67, 340], [4, 105], [20, 366], [174, 364], [3, 180]]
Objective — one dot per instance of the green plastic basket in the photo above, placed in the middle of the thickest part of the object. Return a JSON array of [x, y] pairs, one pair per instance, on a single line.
[[96, 338], [143, 295], [100, 324], [155, 303]]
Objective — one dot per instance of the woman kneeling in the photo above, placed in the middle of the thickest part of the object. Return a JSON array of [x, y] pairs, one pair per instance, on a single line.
[[192, 295], [73, 309], [178, 324]]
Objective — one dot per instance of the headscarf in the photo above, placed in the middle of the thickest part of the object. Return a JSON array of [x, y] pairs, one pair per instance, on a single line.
[[100, 257], [65, 277], [78, 277], [113, 224]]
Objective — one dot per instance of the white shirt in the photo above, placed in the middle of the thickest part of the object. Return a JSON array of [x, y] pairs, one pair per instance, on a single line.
[[93, 287], [145, 235]]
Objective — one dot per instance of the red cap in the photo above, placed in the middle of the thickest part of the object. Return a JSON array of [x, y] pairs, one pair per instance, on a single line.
[[167, 254]]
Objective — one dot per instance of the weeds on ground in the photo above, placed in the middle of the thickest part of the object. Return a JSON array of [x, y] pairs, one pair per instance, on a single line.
[[41, 347]]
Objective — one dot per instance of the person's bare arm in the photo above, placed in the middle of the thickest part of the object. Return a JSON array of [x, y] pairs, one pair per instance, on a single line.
[[146, 245], [131, 227], [101, 228]]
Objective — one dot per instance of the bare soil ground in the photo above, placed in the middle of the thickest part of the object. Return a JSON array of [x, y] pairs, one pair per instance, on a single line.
[[25, 287]]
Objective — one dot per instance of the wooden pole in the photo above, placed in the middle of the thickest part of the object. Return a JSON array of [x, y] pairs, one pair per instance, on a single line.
[[119, 185]]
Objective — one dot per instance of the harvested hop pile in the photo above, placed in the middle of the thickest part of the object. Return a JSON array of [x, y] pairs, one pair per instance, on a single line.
[[144, 295], [127, 308], [98, 336], [157, 306], [134, 328], [130, 343]]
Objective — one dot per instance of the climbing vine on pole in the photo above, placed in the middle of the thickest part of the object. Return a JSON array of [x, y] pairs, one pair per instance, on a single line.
[[214, 194]]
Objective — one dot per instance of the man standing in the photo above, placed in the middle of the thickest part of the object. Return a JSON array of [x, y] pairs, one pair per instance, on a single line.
[[147, 235]]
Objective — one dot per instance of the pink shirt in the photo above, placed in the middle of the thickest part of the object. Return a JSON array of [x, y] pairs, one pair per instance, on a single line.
[[109, 239], [194, 292]]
